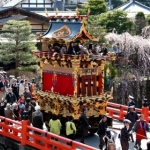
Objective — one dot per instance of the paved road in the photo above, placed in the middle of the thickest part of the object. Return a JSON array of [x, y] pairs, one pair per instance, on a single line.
[[93, 140]]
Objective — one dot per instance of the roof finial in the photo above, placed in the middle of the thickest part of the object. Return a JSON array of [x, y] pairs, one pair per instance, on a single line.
[[88, 13], [46, 12], [57, 11], [77, 12]]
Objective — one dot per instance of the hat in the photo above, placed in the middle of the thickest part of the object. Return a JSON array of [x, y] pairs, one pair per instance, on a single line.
[[131, 97], [11, 76], [127, 121], [131, 106], [37, 107], [21, 106], [84, 109], [8, 105]]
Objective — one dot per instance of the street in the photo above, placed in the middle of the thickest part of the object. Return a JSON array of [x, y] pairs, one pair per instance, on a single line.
[[93, 140]]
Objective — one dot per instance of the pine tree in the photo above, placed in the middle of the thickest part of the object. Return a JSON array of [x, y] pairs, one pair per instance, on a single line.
[[19, 45], [96, 7]]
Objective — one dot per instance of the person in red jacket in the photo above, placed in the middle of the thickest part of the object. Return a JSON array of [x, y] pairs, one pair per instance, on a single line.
[[140, 127]]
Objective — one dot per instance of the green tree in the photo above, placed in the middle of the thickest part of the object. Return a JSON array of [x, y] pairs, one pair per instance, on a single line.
[[140, 22], [117, 20], [96, 7], [148, 19], [19, 45]]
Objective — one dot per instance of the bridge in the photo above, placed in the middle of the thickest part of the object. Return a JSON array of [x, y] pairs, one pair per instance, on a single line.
[[21, 136]]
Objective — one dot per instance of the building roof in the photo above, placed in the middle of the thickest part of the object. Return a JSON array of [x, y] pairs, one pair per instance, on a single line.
[[7, 11], [12, 3], [11, 17], [67, 29], [132, 7]]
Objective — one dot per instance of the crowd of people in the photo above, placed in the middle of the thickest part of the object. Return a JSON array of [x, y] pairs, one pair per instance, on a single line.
[[78, 49]]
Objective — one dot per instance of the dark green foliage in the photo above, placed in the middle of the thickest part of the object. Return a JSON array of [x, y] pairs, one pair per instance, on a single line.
[[140, 22], [19, 43], [96, 7]]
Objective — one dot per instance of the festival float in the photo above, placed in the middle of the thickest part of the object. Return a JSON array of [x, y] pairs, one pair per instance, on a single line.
[[71, 82]]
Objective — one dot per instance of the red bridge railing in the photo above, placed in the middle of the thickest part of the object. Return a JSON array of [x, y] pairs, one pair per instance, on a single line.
[[27, 135], [118, 112]]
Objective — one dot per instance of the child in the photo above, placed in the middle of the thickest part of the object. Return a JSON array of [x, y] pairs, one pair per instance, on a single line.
[[109, 140]]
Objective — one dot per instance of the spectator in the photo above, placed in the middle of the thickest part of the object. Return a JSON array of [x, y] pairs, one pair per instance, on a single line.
[[21, 99], [2, 108], [2, 94], [133, 117], [8, 112], [124, 136], [70, 128], [21, 87], [27, 84], [2, 83], [37, 110], [37, 121], [29, 107], [21, 110], [18, 80], [55, 125], [10, 97], [15, 88], [16, 111], [140, 127], [11, 79], [84, 125], [102, 130], [27, 93]]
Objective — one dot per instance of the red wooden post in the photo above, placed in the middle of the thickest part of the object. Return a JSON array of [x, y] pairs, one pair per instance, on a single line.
[[25, 123], [145, 112], [121, 113]]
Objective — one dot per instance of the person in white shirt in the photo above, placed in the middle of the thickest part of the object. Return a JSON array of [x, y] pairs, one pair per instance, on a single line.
[[21, 87]]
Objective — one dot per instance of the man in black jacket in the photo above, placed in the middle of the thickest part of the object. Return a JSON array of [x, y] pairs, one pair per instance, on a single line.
[[124, 137], [133, 117], [84, 125], [102, 130], [10, 97]]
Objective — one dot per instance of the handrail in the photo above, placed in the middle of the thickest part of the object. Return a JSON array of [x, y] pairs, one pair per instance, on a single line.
[[37, 138], [118, 112]]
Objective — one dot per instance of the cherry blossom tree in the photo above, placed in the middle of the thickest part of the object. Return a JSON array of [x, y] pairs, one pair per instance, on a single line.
[[133, 65]]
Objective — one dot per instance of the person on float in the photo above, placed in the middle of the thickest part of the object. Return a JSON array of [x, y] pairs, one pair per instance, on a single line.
[[84, 125], [133, 117], [102, 130], [124, 135], [140, 127]]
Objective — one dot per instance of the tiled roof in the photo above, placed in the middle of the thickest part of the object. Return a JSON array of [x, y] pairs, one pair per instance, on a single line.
[[130, 4], [12, 3], [11, 17]]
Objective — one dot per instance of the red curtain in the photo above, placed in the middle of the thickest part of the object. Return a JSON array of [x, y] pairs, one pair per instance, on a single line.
[[100, 84], [47, 81], [63, 83]]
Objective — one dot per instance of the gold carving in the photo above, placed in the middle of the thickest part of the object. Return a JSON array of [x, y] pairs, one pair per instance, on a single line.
[[64, 31]]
